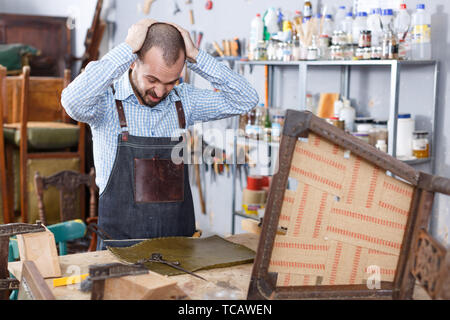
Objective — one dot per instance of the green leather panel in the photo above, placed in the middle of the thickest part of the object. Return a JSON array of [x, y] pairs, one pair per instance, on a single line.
[[45, 138], [11, 55], [193, 253]]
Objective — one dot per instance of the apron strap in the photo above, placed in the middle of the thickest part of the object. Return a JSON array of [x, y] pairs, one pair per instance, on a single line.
[[122, 119], [180, 112]]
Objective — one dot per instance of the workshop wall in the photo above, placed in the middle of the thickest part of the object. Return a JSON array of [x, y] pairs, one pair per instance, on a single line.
[[231, 18]]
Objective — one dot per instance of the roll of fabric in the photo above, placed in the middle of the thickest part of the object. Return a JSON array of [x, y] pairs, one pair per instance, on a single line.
[[254, 183], [254, 197], [326, 105]]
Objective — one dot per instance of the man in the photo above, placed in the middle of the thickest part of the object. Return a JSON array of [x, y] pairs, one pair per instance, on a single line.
[[133, 107]]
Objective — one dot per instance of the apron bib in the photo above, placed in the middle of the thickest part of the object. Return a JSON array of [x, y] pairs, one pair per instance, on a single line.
[[147, 195]]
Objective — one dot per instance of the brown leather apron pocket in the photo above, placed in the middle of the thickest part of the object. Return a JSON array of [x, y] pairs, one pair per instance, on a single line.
[[158, 180]]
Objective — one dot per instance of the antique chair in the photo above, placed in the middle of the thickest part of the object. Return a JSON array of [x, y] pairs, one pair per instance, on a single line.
[[355, 221], [68, 183], [40, 137], [7, 231], [63, 232], [5, 204]]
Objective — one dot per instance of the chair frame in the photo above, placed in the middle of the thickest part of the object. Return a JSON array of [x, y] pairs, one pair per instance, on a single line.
[[7, 210], [263, 283], [25, 155], [67, 182], [7, 231]]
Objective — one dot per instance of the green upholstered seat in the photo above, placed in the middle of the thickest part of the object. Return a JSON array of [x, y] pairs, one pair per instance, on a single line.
[[44, 135], [11, 55]]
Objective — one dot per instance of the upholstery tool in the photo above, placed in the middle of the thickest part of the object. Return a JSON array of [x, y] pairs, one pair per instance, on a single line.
[[157, 257]]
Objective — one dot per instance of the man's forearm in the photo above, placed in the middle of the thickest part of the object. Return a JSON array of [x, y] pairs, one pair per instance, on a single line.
[[81, 98], [236, 95]]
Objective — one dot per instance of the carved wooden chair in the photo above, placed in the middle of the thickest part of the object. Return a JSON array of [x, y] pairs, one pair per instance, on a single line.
[[43, 133], [355, 221], [68, 183]]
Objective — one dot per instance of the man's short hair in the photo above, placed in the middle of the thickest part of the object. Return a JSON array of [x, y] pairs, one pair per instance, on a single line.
[[166, 37]]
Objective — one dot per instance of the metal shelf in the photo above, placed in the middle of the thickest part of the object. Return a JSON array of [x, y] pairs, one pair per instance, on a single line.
[[395, 67], [243, 215], [338, 62]]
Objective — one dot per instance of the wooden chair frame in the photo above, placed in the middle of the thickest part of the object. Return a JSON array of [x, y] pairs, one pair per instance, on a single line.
[[413, 253], [7, 231], [25, 155], [67, 182], [7, 209]]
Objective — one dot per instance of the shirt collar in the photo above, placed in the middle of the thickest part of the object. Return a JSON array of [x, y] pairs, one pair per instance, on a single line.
[[124, 91], [123, 87]]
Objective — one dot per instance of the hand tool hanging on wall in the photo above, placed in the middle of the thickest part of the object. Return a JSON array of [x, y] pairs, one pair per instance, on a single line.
[[176, 8], [147, 6], [199, 39], [209, 5], [197, 171]]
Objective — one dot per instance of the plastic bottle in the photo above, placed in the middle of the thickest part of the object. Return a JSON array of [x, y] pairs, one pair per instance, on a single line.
[[347, 27], [359, 25], [387, 20], [256, 33], [348, 114], [402, 24], [271, 21], [374, 25], [307, 9], [421, 34], [328, 26], [339, 18]]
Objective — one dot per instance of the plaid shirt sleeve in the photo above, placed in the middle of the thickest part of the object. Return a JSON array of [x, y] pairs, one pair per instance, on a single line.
[[234, 94], [84, 99]]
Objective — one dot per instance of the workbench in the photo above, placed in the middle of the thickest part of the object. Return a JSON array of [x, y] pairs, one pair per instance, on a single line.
[[233, 281]]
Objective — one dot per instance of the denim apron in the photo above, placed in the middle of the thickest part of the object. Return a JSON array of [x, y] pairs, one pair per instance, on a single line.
[[147, 194]]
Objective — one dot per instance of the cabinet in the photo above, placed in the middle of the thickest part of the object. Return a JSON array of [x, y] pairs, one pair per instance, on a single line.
[[395, 68]]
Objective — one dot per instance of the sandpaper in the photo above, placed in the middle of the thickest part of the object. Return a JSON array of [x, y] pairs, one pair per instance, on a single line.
[[193, 254]]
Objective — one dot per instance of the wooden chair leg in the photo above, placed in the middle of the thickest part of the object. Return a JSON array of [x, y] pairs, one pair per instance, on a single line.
[[10, 180], [23, 189]]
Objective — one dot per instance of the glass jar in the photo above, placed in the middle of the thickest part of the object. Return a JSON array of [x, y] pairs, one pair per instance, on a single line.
[[376, 53], [365, 39], [339, 38], [272, 50], [336, 53], [261, 51], [363, 124], [390, 46], [287, 51], [349, 52], [296, 49], [359, 54], [361, 135], [421, 145], [366, 53]]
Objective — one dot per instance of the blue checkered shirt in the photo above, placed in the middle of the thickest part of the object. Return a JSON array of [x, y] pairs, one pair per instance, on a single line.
[[89, 99]]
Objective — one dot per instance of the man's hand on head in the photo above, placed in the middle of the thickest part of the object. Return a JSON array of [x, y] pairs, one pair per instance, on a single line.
[[137, 33], [191, 49]]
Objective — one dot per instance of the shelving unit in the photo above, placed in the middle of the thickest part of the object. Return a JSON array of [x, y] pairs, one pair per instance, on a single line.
[[395, 67]]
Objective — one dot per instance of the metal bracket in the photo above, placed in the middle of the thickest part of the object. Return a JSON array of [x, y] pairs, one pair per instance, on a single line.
[[12, 229], [114, 270], [9, 284]]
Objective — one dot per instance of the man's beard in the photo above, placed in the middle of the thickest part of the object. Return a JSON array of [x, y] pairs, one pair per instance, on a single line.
[[143, 95]]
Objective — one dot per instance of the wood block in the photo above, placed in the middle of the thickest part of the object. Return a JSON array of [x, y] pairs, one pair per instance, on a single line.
[[40, 247], [151, 286]]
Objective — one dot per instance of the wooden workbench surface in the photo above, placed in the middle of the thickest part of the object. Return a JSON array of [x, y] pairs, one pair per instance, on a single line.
[[223, 283]]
